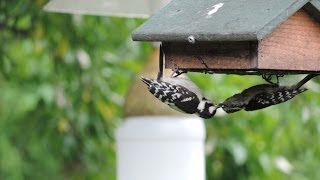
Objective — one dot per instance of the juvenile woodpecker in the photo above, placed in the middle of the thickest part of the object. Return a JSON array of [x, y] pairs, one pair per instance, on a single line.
[[263, 95]]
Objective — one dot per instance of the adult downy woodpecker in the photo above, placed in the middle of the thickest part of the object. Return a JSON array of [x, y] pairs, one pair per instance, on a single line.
[[182, 95], [263, 95], [179, 93]]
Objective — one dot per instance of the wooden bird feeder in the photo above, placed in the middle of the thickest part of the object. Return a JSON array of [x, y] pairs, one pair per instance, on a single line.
[[238, 37]]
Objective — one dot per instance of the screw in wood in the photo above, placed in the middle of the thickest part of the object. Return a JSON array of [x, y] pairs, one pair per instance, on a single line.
[[191, 39]]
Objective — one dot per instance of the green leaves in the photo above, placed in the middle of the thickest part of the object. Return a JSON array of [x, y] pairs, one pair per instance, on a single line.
[[62, 82]]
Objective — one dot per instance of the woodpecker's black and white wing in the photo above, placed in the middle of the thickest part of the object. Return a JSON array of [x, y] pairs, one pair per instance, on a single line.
[[176, 96], [266, 99]]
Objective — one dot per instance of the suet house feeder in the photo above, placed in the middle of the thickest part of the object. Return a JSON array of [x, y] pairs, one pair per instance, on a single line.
[[238, 37]]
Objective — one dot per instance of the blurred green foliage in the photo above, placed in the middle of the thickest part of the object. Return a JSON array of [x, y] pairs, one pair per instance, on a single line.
[[62, 83], [279, 142]]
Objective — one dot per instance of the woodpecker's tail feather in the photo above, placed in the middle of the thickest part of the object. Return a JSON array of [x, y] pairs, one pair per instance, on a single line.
[[305, 80], [145, 80]]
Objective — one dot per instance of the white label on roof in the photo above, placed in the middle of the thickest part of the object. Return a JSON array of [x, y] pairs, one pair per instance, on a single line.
[[214, 9]]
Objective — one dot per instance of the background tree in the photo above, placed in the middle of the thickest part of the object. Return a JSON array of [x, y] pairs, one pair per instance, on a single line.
[[62, 81]]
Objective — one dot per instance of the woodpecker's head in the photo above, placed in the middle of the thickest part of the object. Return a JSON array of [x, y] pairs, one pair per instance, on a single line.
[[206, 109], [234, 103], [230, 108]]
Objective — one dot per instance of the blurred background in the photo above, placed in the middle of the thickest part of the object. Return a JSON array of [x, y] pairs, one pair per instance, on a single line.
[[63, 81]]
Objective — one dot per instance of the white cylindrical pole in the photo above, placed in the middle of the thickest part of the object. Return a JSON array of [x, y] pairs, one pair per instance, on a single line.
[[161, 148]]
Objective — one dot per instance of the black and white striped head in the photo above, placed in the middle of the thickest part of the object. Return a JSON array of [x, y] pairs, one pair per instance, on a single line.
[[206, 109]]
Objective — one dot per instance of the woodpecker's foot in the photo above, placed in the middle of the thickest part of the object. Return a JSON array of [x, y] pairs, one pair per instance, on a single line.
[[177, 71], [278, 76], [268, 78]]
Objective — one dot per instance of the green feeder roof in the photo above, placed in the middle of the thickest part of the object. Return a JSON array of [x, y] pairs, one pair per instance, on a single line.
[[220, 20]]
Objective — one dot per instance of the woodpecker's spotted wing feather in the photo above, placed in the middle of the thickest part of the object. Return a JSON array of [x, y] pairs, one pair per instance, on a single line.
[[176, 96], [266, 99]]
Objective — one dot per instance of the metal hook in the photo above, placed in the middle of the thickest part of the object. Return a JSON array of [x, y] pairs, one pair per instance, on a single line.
[[161, 54]]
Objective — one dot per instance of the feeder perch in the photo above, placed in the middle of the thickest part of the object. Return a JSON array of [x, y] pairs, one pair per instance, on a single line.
[[238, 37]]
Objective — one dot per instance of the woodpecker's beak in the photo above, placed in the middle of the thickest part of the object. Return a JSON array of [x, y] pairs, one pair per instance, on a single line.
[[220, 106]]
